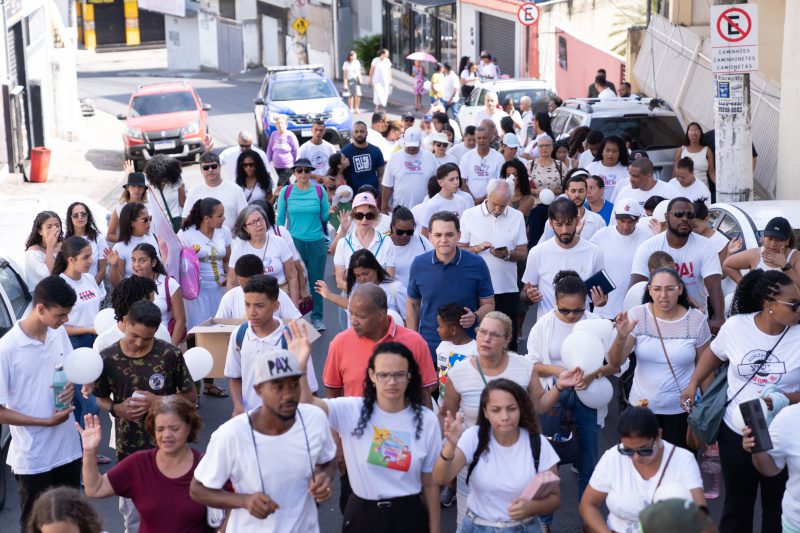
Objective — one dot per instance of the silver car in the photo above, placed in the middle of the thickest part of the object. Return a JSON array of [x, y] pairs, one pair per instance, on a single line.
[[539, 92]]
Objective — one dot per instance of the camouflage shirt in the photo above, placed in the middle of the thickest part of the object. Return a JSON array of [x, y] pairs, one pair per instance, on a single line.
[[162, 372]]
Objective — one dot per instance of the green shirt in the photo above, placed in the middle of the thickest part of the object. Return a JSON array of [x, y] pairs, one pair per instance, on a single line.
[[305, 209]]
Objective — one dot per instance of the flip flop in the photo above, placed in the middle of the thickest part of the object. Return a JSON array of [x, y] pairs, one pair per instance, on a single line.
[[214, 390]]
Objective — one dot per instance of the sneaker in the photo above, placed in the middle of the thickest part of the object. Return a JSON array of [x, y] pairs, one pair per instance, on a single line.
[[447, 497], [318, 324]]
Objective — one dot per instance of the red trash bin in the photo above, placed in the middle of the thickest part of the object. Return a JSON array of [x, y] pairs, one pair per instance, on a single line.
[[40, 164]]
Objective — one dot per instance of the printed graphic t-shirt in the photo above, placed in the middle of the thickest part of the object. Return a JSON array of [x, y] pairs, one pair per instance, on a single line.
[[447, 355], [364, 165]]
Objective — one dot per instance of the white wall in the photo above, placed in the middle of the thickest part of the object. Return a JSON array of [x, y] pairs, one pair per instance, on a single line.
[[208, 40], [183, 42]]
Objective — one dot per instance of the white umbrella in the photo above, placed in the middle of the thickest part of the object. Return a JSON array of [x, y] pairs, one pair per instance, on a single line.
[[422, 56]]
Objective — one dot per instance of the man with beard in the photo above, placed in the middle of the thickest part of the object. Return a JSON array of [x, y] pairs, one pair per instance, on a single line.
[[590, 222], [566, 251], [480, 165], [406, 179], [366, 160], [278, 456], [696, 259]]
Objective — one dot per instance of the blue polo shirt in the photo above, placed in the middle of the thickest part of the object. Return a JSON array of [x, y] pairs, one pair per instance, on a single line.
[[464, 280], [606, 211], [364, 165]]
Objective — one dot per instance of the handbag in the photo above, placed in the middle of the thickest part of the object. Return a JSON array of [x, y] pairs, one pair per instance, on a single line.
[[706, 417]]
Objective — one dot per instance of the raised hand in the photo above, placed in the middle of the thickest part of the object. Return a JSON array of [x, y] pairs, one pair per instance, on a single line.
[[111, 256], [322, 289], [92, 434], [735, 245], [128, 167], [453, 427], [297, 342], [624, 325]]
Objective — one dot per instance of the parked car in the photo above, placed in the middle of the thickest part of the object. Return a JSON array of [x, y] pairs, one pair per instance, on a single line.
[[164, 118], [653, 125], [539, 92], [303, 94]]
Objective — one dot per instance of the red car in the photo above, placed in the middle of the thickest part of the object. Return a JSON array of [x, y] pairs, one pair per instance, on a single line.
[[164, 118]]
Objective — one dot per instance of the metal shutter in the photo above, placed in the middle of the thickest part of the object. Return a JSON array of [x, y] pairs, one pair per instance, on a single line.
[[496, 36], [151, 26], [109, 23]]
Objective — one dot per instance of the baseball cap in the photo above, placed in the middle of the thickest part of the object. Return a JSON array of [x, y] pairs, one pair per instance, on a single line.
[[627, 208], [438, 137], [135, 179], [778, 228], [668, 516], [303, 163], [427, 118], [407, 114], [412, 137], [511, 140], [276, 364], [364, 198]]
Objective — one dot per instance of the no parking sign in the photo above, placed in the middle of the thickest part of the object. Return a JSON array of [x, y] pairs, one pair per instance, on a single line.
[[734, 38]]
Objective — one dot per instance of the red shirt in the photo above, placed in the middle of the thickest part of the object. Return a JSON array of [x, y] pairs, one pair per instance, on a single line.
[[348, 357], [163, 503]]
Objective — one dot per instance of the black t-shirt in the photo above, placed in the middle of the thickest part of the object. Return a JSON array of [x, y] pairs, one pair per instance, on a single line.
[[711, 140]]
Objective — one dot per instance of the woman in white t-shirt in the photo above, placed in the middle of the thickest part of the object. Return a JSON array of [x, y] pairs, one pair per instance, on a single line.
[[611, 165], [41, 247], [169, 192], [134, 190], [668, 336], [764, 316], [169, 297], [628, 475], [408, 244], [80, 222], [134, 229], [504, 435], [253, 237], [253, 177], [389, 439]]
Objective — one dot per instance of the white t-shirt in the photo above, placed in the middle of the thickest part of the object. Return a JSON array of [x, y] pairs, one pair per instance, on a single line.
[[482, 115], [743, 345], [448, 158], [585, 159], [457, 205], [387, 460], [98, 248], [228, 158], [477, 170], [171, 192], [458, 150], [696, 191], [161, 296], [125, 250], [113, 335], [653, 380], [618, 251], [88, 303], [408, 175], [232, 306], [629, 493], [318, 154], [611, 175], [478, 225], [227, 192], [547, 258], [240, 362], [283, 461], [786, 451], [404, 256], [447, 355], [607, 94], [283, 233], [718, 241], [695, 261], [661, 188], [502, 472], [212, 251], [381, 247], [273, 254], [592, 223]]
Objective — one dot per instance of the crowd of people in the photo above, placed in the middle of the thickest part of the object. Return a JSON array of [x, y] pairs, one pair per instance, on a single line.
[[435, 390]]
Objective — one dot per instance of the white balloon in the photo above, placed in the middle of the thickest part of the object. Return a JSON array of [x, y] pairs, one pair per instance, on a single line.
[[547, 196], [582, 347], [738, 421], [83, 365], [600, 328], [598, 394], [660, 211], [634, 296], [199, 362], [426, 86], [396, 317], [672, 490], [104, 320]]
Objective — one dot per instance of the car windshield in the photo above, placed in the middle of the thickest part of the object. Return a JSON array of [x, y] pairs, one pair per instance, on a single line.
[[156, 104], [539, 97], [649, 132], [17, 293], [309, 89]]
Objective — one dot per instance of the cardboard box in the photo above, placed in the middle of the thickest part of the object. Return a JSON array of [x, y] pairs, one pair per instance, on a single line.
[[214, 335]]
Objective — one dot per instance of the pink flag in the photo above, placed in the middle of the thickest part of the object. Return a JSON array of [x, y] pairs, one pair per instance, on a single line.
[[168, 243]]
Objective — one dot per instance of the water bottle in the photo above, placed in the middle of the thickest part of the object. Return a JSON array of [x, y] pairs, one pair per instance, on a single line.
[[59, 382], [711, 470]]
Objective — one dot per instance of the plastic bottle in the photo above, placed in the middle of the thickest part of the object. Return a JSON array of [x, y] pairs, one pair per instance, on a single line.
[[711, 470], [59, 382]]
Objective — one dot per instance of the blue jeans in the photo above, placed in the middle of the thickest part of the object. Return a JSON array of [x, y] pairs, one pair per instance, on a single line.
[[455, 107], [83, 406], [469, 526]]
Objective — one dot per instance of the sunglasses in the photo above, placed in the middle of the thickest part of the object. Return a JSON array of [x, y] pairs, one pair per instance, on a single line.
[[440, 145], [303, 170], [408, 119], [148, 219], [362, 216], [643, 452], [401, 232], [82, 214], [565, 311], [213, 166], [794, 306], [683, 214]]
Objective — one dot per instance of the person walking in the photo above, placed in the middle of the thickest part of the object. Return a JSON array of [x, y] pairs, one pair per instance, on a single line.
[[366, 160], [610, 163], [253, 177], [163, 173], [282, 150], [406, 176], [81, 223], [575, 185], [351, 74], [418, 73], [134, 229], [135, 190], [777, 253], [696, 148], [480, 165], [380, 77], [408, 243], [229, 156], [226, 191]]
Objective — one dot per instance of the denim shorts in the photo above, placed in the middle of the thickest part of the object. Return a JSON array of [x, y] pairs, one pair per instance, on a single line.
[[469, 526]]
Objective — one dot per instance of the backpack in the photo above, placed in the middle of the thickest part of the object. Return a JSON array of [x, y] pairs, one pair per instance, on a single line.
[[189, 273], [288, 190], [240, 331]]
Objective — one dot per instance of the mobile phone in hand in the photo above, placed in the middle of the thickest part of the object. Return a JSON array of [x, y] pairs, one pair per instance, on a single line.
[[754, 418]]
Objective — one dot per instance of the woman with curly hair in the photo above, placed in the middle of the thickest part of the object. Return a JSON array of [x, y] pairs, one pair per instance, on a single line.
[[253, 177], [506, 433], [60, 508], [169, 192], [80, 222], [391, 428]]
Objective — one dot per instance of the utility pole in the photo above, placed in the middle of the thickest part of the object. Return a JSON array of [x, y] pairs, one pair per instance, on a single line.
[[733, 161]]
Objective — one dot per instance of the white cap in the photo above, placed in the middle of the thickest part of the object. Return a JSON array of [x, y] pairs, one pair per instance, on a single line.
[[438, 137], [412, 137], [511, 140], [627, 207]]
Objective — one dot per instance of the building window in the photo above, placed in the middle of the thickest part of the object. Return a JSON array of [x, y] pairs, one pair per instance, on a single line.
[[562, 52]]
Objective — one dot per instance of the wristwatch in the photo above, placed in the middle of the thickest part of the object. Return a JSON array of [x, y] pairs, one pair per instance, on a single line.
[[787, 266], [507, 257]]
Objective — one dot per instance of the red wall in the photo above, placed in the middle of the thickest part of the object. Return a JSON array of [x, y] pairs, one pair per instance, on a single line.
[[583, 60]]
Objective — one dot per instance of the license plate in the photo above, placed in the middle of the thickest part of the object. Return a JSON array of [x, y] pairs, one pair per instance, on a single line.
[[163, 145], [305, 133]]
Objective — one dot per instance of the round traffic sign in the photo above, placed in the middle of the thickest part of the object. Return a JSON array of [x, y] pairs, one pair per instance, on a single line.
[[734, 25], [528, 14]]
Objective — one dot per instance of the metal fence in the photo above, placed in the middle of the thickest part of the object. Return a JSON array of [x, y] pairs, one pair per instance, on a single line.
[[674, 64]]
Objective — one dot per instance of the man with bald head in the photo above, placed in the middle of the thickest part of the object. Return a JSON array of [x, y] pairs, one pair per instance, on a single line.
[[229, 156]]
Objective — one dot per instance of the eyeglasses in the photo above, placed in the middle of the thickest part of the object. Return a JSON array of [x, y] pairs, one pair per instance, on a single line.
[[397, 377], [79, 214], [248, 165], [146, 219], [255, 223], [493, 334], [642, 452], [401, 232], [362, 216], [303, 170], [669, 289], [681, 214], [794, 306], [212, 166], [565, 311], [544, 146], [440, 145]]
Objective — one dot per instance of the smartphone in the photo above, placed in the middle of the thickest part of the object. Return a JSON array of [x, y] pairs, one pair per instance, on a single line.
[[754, 418], [501, 249]]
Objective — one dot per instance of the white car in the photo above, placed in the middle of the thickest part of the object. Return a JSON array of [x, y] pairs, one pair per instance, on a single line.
[[539, 92]]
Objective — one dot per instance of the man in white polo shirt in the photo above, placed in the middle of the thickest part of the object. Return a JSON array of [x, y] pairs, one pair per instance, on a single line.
[[405, 180], [496, 232], [45, 448]]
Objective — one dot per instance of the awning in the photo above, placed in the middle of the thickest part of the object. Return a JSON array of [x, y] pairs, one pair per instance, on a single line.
[[427, 4]]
